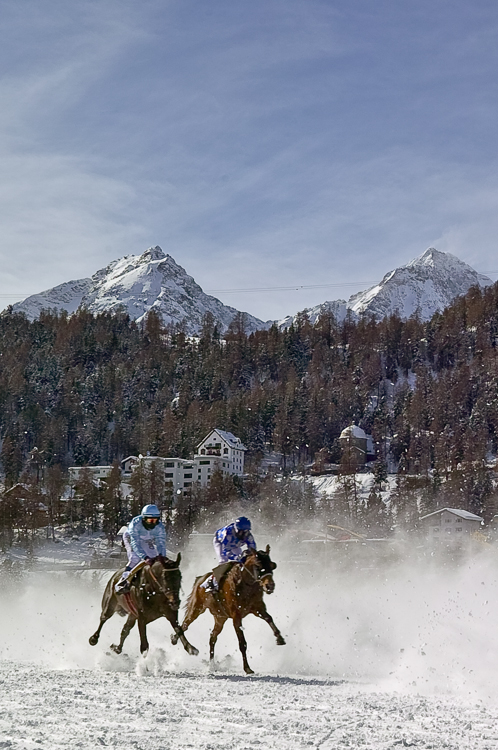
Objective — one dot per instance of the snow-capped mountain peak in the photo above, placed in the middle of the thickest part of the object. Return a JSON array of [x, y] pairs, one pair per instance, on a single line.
[[425, 285], [138, 284]]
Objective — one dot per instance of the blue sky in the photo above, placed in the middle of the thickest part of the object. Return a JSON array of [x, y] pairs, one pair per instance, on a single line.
[[276, 143]]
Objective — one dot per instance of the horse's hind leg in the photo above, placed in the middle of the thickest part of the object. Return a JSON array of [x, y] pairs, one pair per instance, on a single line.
[[130, 622], [266, 616], [218, 627], [237, 623]]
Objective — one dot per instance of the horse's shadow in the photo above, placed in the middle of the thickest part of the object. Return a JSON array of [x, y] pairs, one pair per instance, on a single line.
[[277, 679]]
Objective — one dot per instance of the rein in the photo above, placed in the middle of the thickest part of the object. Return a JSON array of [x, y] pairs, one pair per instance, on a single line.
[[161, 589], [257, 577]]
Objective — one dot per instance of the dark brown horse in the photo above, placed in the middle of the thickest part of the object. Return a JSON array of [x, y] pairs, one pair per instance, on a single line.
[[240, 594], [154, 593]]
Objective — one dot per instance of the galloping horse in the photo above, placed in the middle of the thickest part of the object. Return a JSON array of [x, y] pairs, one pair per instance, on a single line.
[[154, 593], [240, 594]]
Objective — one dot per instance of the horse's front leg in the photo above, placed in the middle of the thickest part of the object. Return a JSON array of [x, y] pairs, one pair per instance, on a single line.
[[237, 623], [130, 622], [107, 613], [94, 639], [218, 627], [266, 616], [179, 636], [142, 629]]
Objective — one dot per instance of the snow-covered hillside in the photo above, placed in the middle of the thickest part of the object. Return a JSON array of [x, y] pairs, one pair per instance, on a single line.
[[426, 285], [139, 284]]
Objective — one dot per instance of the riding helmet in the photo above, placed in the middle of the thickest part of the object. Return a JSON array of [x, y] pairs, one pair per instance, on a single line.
[[151, 511], [242, 524]]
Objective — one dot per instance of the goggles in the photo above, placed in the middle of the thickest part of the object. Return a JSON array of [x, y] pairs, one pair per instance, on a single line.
[[153, 521]]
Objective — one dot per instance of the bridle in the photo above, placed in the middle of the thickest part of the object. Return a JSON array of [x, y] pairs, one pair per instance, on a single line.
[[162, 590], [258, 575]]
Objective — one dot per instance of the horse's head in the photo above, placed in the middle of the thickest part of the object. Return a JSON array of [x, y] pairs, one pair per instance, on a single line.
[[262, 568], [166, 578]]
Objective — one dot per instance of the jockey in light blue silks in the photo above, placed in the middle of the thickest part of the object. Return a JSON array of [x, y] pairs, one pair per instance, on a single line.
[[230, 543], [144, 539]]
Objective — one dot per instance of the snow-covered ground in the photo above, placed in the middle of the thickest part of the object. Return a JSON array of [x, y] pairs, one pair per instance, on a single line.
[[381, 653]]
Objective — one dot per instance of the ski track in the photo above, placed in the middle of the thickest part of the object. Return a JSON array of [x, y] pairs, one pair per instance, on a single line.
[[384, 656]]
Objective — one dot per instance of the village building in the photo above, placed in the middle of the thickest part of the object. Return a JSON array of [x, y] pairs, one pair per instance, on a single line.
[[220, 450], [224, 446], [356, 445], [450, 525], [179, 473], [96, 473]]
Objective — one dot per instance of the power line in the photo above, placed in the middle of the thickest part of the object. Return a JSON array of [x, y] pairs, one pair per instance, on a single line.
[[294, 288]]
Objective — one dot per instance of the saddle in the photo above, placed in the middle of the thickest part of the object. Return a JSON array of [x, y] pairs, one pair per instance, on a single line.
[[221, 571]]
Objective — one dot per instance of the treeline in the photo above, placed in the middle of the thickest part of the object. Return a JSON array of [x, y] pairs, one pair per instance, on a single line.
[[92, 389]]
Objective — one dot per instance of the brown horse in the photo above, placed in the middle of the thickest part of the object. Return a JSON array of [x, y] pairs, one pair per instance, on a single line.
[[154, 593], [240, 594]]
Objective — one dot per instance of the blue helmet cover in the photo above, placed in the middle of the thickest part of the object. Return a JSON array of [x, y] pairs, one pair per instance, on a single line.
[[242, 524]]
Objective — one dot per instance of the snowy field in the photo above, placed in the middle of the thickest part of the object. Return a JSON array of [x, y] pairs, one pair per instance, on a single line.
[[381, 653]]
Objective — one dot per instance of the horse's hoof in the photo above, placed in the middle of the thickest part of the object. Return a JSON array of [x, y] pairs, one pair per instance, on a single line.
[[93, 640], [116, 649], [193, 651], [249, 670], [280, 641], [174, 639], [144, 652]]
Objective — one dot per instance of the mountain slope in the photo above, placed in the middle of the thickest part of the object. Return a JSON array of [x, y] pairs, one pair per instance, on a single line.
[[138, 284], [427, 284], [67, 296]]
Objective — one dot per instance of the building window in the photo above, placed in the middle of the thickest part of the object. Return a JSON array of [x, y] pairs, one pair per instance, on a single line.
[[187, 484], [187, 476], [447, 520], [168, 474], [205, 462], [458, 528], [169, 465], [458, 520]]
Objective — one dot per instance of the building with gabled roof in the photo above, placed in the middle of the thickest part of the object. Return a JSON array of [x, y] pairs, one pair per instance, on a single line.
[[449, 525], [225, 447]]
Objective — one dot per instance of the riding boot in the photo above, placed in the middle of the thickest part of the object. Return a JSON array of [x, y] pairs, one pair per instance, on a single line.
[[122, 586], [211, 585]]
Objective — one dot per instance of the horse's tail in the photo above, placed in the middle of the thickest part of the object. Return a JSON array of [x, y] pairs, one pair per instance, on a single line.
[[192, 603]]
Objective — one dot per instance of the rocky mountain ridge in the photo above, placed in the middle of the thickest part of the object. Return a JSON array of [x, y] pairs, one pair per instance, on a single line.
[[138, 284], [426, 285]]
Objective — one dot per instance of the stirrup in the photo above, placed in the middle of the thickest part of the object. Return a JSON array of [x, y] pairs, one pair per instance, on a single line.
[[123, 587]]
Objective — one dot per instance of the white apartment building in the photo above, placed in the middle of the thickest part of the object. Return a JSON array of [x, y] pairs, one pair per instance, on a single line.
[[96, 473], [219, 450], [179, 473], [225, 447]]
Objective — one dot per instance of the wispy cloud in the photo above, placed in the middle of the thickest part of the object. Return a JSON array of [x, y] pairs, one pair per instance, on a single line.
[[290, 141]]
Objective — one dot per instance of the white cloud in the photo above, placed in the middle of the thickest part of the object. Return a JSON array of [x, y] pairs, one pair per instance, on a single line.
[[267, 144]]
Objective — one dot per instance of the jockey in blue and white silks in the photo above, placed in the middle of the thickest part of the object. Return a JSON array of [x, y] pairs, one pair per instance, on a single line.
[[144, 539], [230, 540]]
